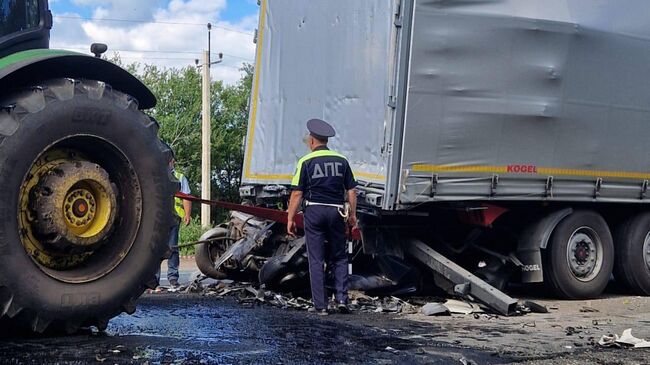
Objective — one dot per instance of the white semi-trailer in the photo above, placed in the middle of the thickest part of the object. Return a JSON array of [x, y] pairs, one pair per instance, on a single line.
[[511, 136]]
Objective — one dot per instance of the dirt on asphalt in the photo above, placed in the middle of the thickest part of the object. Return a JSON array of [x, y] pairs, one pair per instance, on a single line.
[[190, 329], [566, 335]]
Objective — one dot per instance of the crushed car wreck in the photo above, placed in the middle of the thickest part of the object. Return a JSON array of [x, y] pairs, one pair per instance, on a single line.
[[249, 248]]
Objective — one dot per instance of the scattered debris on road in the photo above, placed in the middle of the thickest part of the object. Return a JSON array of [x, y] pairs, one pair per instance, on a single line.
[[528, 306], [625, 340], [570, 331], [249, 294], [432, 309], [465, 361], [588, 310], [459, 307]]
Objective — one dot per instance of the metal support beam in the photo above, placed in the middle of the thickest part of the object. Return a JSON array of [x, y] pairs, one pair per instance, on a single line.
[[451, 271]]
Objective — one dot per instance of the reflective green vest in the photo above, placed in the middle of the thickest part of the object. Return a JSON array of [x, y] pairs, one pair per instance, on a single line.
[[178, 202]]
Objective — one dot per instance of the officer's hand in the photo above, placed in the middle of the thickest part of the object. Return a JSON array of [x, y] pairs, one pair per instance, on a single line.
[[352, 220], [187, 219], [291, 228]]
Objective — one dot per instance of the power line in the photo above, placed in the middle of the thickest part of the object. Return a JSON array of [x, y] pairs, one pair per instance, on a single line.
[[151, 22], [157, 58], [239, 57], [173, 59], [157, 51]]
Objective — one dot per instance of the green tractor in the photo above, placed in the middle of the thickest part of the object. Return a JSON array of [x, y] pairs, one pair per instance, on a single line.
[[86, 196]]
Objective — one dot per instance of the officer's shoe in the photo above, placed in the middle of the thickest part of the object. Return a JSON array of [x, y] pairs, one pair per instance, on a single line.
[[174, 285], [343, 308], [320, 312]]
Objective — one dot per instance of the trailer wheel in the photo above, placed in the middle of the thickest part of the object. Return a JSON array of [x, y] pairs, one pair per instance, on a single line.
[[86, 206], [632, 266], [208, 253], [579, 260]]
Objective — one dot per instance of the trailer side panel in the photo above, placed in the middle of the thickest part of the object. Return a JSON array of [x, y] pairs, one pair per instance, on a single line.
[[327, 59], [550, 100]]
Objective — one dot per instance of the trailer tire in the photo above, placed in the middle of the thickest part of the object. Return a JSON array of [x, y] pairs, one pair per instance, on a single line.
[[632, 266], [579, 260], [58, 139], [206, 254]]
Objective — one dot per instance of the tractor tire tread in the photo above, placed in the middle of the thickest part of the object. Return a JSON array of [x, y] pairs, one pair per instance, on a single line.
[[14, 108]]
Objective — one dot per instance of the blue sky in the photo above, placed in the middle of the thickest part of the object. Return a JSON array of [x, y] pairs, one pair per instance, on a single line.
[[66, 6], [235, 9], [153, 34]]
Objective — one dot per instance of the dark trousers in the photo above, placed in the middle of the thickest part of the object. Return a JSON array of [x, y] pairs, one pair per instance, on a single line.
[[174, 259], [325, 234]]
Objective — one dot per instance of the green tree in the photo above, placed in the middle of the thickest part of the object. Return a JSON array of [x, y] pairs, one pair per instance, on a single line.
[[229, 122], [179, 113]]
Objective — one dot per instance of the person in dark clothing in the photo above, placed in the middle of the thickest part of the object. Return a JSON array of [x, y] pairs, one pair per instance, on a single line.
[[324, 179]]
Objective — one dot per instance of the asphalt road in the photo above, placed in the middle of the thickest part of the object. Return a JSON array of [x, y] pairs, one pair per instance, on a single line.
[[174, 328], [187, 269], [192, 329]]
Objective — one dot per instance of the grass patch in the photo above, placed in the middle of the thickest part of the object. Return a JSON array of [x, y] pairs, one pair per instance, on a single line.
[[189, 234]]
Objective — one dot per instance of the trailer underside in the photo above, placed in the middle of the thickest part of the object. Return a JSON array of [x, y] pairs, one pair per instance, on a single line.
[[569, 247]]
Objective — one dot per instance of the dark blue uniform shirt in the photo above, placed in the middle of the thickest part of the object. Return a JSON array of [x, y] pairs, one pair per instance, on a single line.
[[324, 176]]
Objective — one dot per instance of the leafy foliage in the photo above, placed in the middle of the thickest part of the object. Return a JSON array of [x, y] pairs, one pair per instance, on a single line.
[[188, 234], [179, 114]]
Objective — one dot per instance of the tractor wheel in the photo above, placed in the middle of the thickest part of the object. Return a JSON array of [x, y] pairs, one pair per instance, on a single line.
[[208, 253], [632, 267], [579, 260], [86, 206]]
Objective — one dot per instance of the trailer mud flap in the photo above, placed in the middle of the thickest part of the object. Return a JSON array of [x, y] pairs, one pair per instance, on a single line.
[[532, 240], [462, 278]]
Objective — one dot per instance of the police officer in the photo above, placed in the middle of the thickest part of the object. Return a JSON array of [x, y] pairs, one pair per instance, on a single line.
[[324, 179]]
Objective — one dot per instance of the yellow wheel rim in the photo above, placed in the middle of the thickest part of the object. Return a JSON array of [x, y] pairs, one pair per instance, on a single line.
[[87, 210], [68, 207]]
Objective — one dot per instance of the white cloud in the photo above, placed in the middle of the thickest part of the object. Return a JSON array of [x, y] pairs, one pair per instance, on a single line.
[[154, 40]]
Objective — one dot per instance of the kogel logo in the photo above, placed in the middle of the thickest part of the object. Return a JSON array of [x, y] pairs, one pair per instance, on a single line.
[[522, 169], [529, 268]]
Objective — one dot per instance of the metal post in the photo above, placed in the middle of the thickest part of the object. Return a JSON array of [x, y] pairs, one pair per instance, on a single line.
[[350, 252], [206, 132]]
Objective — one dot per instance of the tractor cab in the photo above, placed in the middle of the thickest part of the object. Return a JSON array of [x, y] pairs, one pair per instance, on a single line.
[[24, 24]]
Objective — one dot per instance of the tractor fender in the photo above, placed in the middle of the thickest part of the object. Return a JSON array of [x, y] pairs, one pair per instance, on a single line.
[[28, 68], [532, 240]]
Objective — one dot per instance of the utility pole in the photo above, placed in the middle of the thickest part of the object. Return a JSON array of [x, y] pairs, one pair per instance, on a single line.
[[206, 132]]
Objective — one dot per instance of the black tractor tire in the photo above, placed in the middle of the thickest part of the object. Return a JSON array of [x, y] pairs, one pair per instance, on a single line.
[[95, 119], [632, 266], [208, 253], [558, 272]]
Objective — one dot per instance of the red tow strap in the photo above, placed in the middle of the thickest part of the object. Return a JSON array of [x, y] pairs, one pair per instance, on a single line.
[[275, 215]]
